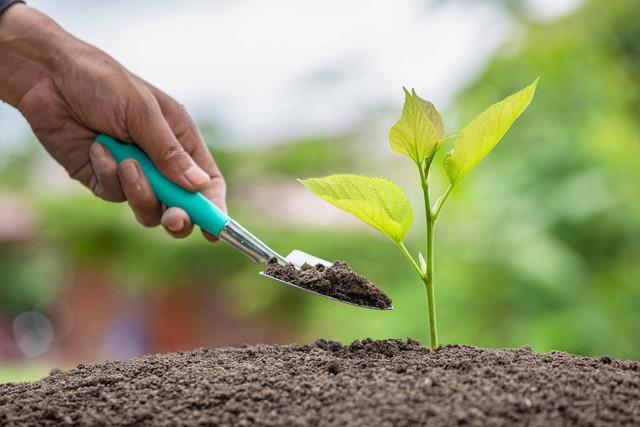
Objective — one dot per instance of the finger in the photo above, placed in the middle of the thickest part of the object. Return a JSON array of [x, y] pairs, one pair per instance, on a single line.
[[191, 139], [140, 196], [210, 237], [105, 168], [177, 223], [149, 129], [216, 190]]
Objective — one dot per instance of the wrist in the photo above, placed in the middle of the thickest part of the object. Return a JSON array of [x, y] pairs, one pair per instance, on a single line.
[[31, 47]]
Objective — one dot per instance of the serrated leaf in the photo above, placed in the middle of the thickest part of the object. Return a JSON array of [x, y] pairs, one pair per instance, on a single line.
[[423, 263], [479, 137], [379, 202], [419, 131]]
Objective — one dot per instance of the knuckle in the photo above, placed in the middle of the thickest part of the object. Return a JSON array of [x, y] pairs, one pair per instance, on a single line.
[[185, 129], [120, 114], [172, 152], [142, 106], [189, 121], [185, 115], [149, 105]]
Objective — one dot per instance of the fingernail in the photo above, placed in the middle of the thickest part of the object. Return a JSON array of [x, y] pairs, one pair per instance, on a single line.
[[196, 176], [98, 150], [129, 172], [175, 226]]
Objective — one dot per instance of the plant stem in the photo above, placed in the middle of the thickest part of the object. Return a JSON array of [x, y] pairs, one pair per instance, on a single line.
[[424, 183], [440, 202], [428, 277], [429, 284], [407, 255]]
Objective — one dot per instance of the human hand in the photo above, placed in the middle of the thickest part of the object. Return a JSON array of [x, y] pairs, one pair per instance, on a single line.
[[70, 91]]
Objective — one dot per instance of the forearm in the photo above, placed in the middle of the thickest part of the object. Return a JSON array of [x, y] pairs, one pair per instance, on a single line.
[[31, 47]]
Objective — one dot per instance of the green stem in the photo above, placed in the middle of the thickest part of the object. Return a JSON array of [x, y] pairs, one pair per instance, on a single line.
[[407, 255], [440, 202], [429, 284], [424, 183], [428, 277]]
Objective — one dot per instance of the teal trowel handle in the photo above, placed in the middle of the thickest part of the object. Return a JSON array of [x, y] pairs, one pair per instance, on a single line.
[[200, 209]]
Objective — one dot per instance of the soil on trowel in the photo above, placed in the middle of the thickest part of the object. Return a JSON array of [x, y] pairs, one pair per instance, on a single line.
[[337, 281], [367, 383]]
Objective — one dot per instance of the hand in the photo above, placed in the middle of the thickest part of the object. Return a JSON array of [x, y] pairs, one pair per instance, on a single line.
[[70, 91]]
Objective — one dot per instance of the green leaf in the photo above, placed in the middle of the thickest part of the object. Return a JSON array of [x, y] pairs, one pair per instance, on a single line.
[[479, 137], [379, 202], [419, 131], [434, 115]]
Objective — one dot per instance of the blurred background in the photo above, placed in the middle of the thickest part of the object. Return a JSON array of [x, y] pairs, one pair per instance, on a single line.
[[539, 246]]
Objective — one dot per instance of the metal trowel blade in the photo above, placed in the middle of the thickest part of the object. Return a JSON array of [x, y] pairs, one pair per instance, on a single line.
[[298, 259]]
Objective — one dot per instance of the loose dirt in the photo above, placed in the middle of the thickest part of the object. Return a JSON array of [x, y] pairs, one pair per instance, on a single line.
[[337, 281], [368, 383]]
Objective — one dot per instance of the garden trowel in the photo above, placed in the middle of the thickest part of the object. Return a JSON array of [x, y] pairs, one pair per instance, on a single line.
[[207, 215]]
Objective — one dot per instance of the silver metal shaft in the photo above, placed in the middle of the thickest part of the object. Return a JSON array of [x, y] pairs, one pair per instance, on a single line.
[[241, 239]]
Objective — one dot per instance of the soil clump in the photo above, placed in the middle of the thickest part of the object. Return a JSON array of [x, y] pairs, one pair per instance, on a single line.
[[337, 281]]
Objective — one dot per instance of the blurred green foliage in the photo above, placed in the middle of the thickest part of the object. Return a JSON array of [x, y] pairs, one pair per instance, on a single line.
[[303, 157], [556, 212], [21, 373], [541, 247], [28, 275], [291, 159]]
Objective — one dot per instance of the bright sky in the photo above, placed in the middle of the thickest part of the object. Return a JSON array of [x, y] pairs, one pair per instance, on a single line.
[[265, 71]]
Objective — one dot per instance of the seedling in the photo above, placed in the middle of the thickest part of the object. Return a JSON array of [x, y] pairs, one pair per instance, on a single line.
[[419, 134]]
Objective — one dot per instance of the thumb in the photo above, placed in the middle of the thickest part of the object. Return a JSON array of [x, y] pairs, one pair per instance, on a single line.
[[149, 129]]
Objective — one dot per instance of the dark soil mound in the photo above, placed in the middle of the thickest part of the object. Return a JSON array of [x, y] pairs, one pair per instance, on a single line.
[[337, 281], [368, 383]]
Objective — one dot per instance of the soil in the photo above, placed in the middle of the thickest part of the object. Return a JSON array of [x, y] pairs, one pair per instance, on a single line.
[[368, 383], [337, 281]]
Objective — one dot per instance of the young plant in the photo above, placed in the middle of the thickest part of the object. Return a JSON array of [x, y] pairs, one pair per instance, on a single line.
[[419, 134]]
